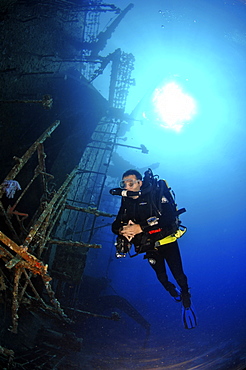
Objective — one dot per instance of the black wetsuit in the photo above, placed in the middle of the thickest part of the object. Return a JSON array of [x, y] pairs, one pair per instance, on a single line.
[[139, 211]]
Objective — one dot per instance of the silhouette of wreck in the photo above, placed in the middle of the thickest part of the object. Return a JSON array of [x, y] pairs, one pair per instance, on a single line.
[[51, 196], [30, 309]]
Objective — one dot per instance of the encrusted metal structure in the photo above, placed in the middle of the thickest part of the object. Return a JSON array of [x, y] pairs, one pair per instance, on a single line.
[[25, 238], [85, 192], [121, 80], [122, 64], [95, 41], [46, 232], [22, 251], [78, 27]]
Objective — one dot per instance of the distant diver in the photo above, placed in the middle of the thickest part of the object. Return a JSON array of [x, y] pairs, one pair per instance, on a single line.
[[149, 219]]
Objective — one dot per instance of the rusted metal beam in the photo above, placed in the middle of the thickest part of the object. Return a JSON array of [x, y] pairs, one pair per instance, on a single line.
[[71, 243], [59, 206], [46, 102], [48, 210], [15, 300], [25, 261], [41, 242], [28, 281], [23, 160], [114, 316], [36, 174], [91, 210], [32, 261], [55, 302], [6, 352], [5, 254], [18, 295], [42, 167], [8, 221]]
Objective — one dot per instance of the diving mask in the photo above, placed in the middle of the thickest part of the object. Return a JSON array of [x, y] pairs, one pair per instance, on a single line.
[[130, 183]]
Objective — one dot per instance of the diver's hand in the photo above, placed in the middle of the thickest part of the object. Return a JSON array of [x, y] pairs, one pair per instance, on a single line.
[[130, 230]]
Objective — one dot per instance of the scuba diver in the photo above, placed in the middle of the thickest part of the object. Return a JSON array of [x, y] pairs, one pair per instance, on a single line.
[[148, 219]]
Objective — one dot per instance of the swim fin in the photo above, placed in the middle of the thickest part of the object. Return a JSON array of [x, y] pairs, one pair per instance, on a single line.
[[189, 317]]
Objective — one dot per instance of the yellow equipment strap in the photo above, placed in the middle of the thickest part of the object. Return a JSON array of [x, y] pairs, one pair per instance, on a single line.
[[171, 238]]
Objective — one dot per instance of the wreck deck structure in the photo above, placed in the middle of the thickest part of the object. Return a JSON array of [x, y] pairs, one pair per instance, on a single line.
[[56, 217]]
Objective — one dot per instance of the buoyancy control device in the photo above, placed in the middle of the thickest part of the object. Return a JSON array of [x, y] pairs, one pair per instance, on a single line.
[[161, 192]]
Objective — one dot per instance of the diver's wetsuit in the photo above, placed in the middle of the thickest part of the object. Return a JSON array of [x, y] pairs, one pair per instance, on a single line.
[[139, 210], [171, 254]]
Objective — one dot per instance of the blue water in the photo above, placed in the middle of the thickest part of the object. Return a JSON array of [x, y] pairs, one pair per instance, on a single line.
[[202, 46]]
